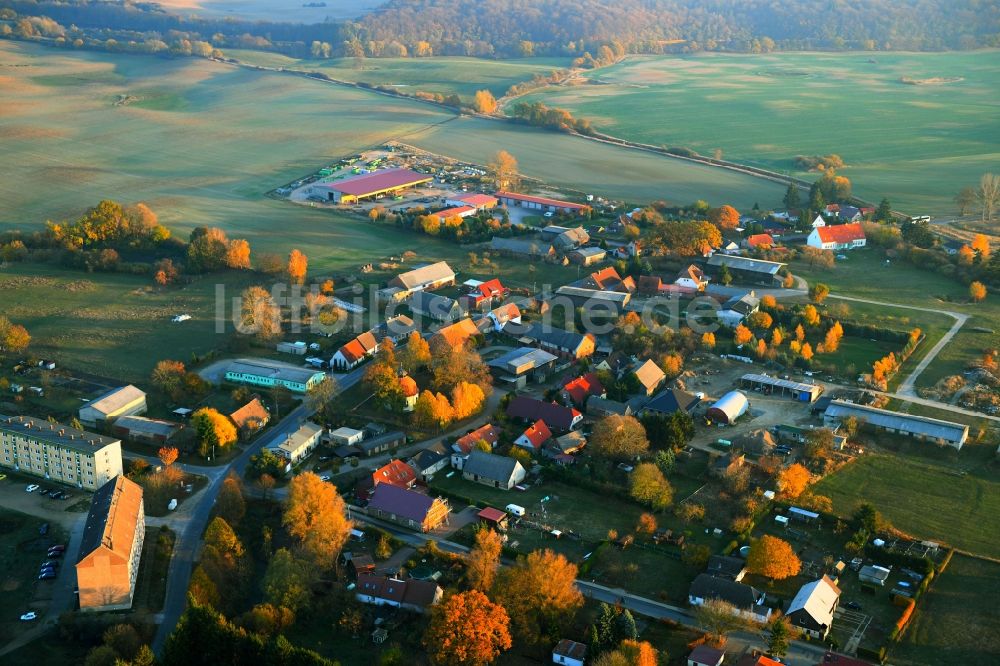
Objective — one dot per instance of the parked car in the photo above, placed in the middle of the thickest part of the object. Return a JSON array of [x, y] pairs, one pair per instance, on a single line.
[[48, 575], [44, 491], [54, 554], [50, 563], [853, 605], [59, 546], [43, 529], [31, 488], [324, 477], [29, 616]]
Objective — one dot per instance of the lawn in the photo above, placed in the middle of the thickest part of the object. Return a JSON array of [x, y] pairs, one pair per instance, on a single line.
[[107, 323], [956, 621], [916, 144], [444, 75], [926, 501]]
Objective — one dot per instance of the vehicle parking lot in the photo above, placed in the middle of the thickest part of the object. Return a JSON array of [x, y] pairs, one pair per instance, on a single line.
[[39, 503]]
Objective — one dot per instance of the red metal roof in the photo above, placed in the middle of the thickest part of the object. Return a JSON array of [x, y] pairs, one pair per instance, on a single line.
[[370, 183], [478, 199], [841, 233], [458, 211], [583, 387], [396, 473], [492, 515], [540, 200]]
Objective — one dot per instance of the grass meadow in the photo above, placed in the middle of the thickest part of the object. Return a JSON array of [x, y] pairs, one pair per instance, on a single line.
[[956, 621], [864, 274], [928, 501], [444, 75], [916, 144], [202, 142]]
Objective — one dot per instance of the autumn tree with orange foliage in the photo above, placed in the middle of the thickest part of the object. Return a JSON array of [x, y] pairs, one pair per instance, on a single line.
[[806, 352], [432, 410], [981, 245], [213, 429], [810, 315], [167, 455], [966, 256], [761, 349], [485, 102], [708, 340], [977, 291], [760, 320], [800, 333], [742, 335], [777, 336], [831, 342], [646, 524], [467, 629], [315, 519], [298, 265], [466, 399], [13, 337], [793, 481], [768, 301], [484, 560], [883, 368], [238, 254], [724, 217], [639, 653], [539, 592], [773, 558]]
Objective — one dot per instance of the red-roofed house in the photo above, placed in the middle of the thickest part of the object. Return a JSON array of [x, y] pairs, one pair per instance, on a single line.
[[608, 280], [486, 433], [396, 473], [410, 392], [760, 241], [691, 277], [415, 595], [532, 439], [508, 312], [485, 292], [355, 351], [583, 387], [838, 237]]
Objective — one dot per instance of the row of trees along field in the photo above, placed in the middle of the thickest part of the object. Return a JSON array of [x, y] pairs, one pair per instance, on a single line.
[[115, 237], [526, 28]]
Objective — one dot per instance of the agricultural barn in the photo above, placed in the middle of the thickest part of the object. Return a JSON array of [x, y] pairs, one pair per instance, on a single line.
[[596, 300], [455, 211], [728, 408], [744, 269], [918, 427], [587, 256], [424, 278], [511, 199], [380, 183], [124, 401], [513, 247], [773, 385]]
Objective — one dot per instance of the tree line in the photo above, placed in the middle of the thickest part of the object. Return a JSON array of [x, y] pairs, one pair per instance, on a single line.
[[581, 29]]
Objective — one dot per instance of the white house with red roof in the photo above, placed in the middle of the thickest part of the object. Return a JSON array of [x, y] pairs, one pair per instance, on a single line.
[[838, 237], [486, 433], [534, 437], [477, 200]]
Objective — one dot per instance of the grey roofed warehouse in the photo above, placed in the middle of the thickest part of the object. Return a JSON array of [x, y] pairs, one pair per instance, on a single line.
[[922, 427]]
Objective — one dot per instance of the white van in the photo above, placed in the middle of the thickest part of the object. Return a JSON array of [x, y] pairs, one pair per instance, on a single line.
[[515, 510]]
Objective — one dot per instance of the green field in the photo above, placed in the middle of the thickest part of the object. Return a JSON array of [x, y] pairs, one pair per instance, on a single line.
[[916, 144], [926, 501], [956, 621], [444, 75], [202, 142], [864, 274]]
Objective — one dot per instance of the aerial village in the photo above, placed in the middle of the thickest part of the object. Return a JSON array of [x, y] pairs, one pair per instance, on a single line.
[[661, 428]]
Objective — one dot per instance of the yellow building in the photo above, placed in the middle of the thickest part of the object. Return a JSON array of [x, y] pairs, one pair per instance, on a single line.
[[57, 452], [111, 547]]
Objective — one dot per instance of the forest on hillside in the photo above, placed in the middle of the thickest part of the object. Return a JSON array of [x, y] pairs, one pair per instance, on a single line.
[[525, 28]]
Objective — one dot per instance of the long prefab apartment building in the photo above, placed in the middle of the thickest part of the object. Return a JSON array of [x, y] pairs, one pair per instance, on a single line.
[[108, 564], [58, 452]]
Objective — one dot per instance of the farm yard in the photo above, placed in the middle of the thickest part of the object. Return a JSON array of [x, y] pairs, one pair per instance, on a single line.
[[916, 144], [963, 510]]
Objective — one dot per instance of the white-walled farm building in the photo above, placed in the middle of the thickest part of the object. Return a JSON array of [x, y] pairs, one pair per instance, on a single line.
[[728, 408]]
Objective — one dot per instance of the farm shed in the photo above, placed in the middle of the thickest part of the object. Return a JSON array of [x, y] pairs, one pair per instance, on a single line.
[[380, 183], [124, 401], [918, 427], [774, 385], [587, 256], [141, 429], [510, 199], [728, 408], [745, 268]]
